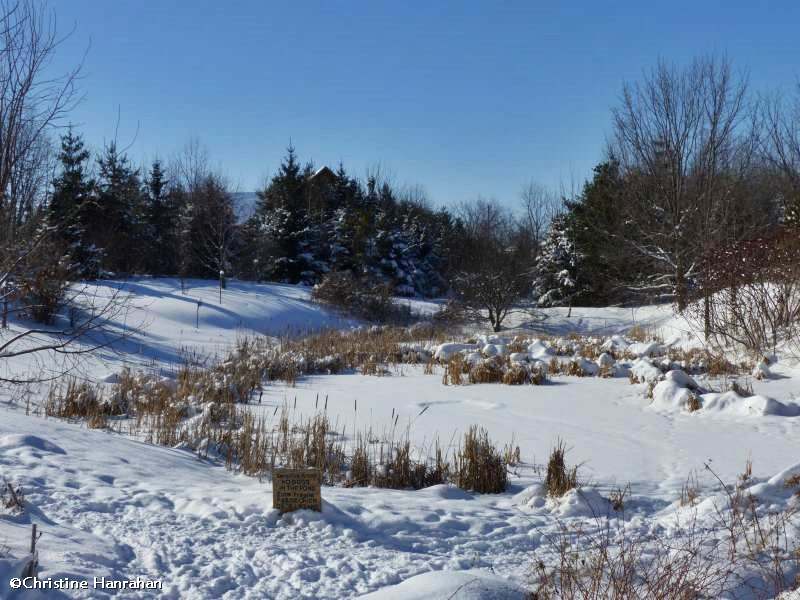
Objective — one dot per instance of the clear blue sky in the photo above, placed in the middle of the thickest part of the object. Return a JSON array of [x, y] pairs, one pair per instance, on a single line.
[[464, 98]]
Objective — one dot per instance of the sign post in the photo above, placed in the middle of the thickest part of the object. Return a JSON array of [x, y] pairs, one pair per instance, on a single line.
[[294, 489]]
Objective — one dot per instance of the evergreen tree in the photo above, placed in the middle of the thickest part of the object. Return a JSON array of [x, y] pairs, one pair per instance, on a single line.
[[72, 203], [161, 221], [117, 224], [280, 225], [556, 282]]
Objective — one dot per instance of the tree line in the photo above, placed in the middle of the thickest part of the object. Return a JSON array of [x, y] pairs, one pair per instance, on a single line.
[[695, 162]]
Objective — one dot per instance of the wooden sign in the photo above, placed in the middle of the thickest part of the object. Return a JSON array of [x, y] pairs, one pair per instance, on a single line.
[[293, 489]]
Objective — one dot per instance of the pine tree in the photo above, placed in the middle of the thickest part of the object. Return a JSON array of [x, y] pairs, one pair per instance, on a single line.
[[283, 234], [116, 224], [556, 282], [161, 221], [72, 204]]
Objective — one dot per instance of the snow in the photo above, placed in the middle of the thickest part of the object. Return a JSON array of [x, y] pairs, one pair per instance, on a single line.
[[112, 506], [470, 584], [448, 350]]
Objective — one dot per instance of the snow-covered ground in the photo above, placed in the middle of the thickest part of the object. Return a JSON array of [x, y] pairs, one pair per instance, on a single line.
[[111, 506]]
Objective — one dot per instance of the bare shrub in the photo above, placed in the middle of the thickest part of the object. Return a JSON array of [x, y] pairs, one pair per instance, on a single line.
[[690, 490], [606, 563], [617, 497], [745, 551], [752, 293], [44, 280], [357, 296]]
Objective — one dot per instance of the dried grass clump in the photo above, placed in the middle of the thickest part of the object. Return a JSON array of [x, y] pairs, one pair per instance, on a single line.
[[77, 400], [401, 471], [590, 348], [716, 365], [538, 375], [487, 371], [512, 455], [554, 367], [690, 490], [560, 478], [617, 498], [742, 389], [361, 471], [573, 367], [454, 370], [643, 333], [693, 404], [516, 375], [479, 466]]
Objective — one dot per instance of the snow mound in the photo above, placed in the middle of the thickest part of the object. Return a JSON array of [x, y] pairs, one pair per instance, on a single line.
[[670, 396], [734, 404], [519, 357], [15, 440], [616, 343], [645, 371], [580, 503], [761, 370], [448, 350], [641, 349], [605, 360], [682, 379], [587, 366], [491, 350], [539, 350], [775, 488], [533, 496], [473, 584]]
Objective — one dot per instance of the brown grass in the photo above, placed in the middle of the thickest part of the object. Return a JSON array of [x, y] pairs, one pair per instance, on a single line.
[[516, 375], [479, 466], [488, 371], [560, 478], [601, 560], [693, 404]]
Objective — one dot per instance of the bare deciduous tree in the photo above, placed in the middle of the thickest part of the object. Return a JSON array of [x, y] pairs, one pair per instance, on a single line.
[[496, 274], [32, 101], [684, 140], [539, 206]]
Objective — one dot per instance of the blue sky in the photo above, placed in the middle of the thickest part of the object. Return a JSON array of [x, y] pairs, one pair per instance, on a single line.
[[464, 98]]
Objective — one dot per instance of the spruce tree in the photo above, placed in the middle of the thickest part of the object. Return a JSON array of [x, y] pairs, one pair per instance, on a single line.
[[557, 265], [161, 221], [281, 223], [72, 203], [117, 224]]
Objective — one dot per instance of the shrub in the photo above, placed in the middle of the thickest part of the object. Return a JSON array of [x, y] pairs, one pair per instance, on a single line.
[[358, 297], [44, 281]]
